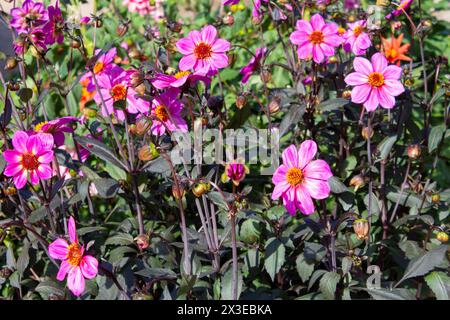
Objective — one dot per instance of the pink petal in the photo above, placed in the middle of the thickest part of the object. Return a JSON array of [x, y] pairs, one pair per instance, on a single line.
[[379, 62], [219, 60], [196, 36], [333, 41], [356, 79], [317, 53], [209, 34], [34, 144], [46, 157], [299, 37], [305, 51], [13, 169], [304, 201], [327, 50], [58, 249], [361, 93], [317, 169], [75, 281], [392, 73], [44, 171], [185, 46], [330, 29], [221, 45], [289, 205], [363, 41], [12, 156], [362, 65], [21, 180], [318, 189], [290, 156], [306, 153], [303, 25], [89, 267], [393, 87], [279, 189], [34, 178], [64, 268], [19, 141], [386, 100], [47, 140], [317, 22], [72, 230], [280, 174], [372, 102], [187, 62]]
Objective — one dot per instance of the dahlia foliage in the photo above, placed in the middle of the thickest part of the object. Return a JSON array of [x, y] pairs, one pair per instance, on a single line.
[[318, 148]]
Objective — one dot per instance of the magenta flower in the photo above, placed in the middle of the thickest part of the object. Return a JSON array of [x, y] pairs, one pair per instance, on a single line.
[[31, 157], [104, 65], [316, 38], [35, 37], [75, 263], [300, 178], [356, 40], [166, 111], [404, 4], [55, 25], [375, 83], [115, 86], [29, 16], [351, 4], [56, 128], [235, 171], [85, 20], [203, 51], [253, 65], [230, 2], [162, 81]]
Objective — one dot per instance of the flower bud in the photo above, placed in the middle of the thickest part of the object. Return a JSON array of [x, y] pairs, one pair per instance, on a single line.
[[414, 151], [178, 191], [148, 152], [134, 53], [204, 121], [89, 113], [11, 63], [142, 241], [436, 198], [357, 182], [241, 101], [10, 191], [351, 18], [174, 26], [427, 23], [442, 236], [98, 23], [274, 105], [142, 126], [231, 58], [332, 59], [256, 20], [266, 76], [122, 29], [361, 228], [13, 85], [75, 44], [409, 82], [140, 89], [322, 7], [367, 133], [228, 20], [347, 94], [200, 188]]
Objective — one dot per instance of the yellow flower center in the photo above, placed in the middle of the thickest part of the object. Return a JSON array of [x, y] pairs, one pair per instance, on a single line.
[[30, 161], [316, 37], [358, 30], [181, 74], [38, 127], [118, 92], [74, 255], [98, 67], [294, 176], [392, 53], [161, 113], [376, 79], [341, 31], [202, 50]]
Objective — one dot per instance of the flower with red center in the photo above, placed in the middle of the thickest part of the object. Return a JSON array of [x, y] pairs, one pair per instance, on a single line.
[[235, 171], [103, 65], [31, 157], [356, 39], [316, 38], [75, 263], [394, 51], [404, 5], [300, 178], [115, 86], [203, 51], [56, 128], [162, 81], [55, 25], [29, 16], [253, 65], [166, 113], [375, 82]]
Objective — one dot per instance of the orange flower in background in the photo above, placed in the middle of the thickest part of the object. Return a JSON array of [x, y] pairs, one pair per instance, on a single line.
[[86, 96], [394, 50]]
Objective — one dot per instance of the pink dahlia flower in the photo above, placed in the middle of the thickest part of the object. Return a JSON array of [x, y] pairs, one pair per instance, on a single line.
[[375, 82], [300, 178], [56, 128], [115, 86], [162, 81], [356, 40], [166, 111], [29, 16], [203, 51], [35, 37], [55, 25], [235, 171], [31, 157], [404, 4], [75, 263], [140, 6], [316, 38], [104, 65], [230, 2], [253, 65]]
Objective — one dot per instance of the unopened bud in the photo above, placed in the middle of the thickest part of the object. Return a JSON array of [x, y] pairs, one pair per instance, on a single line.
[[231, 58], [414, 151], [322, 7], [266, 76], [10, 191], [427, 23], [351, 18], [13, 86], [178, 191], [361, 228], [357, 182], [142, 126], [332, 59], [174, 26], [442, 236], [367, 133], [241, 101], [134, 53], [122, 29], [436, 198], [89, 113], [75, 44], [136, 78], [140, 89], [228, 19], [11, 63], [347, 94], [98, 23], [274, 105], [200, 188], [148, 152], [142, 241]]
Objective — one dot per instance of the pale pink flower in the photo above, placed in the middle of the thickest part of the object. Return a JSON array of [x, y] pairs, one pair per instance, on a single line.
[[375, 82], [31, 157], [203, 51], [316, 38], [300, 178], [356, 40], [140, 6], [166, 111], [75, 263]]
